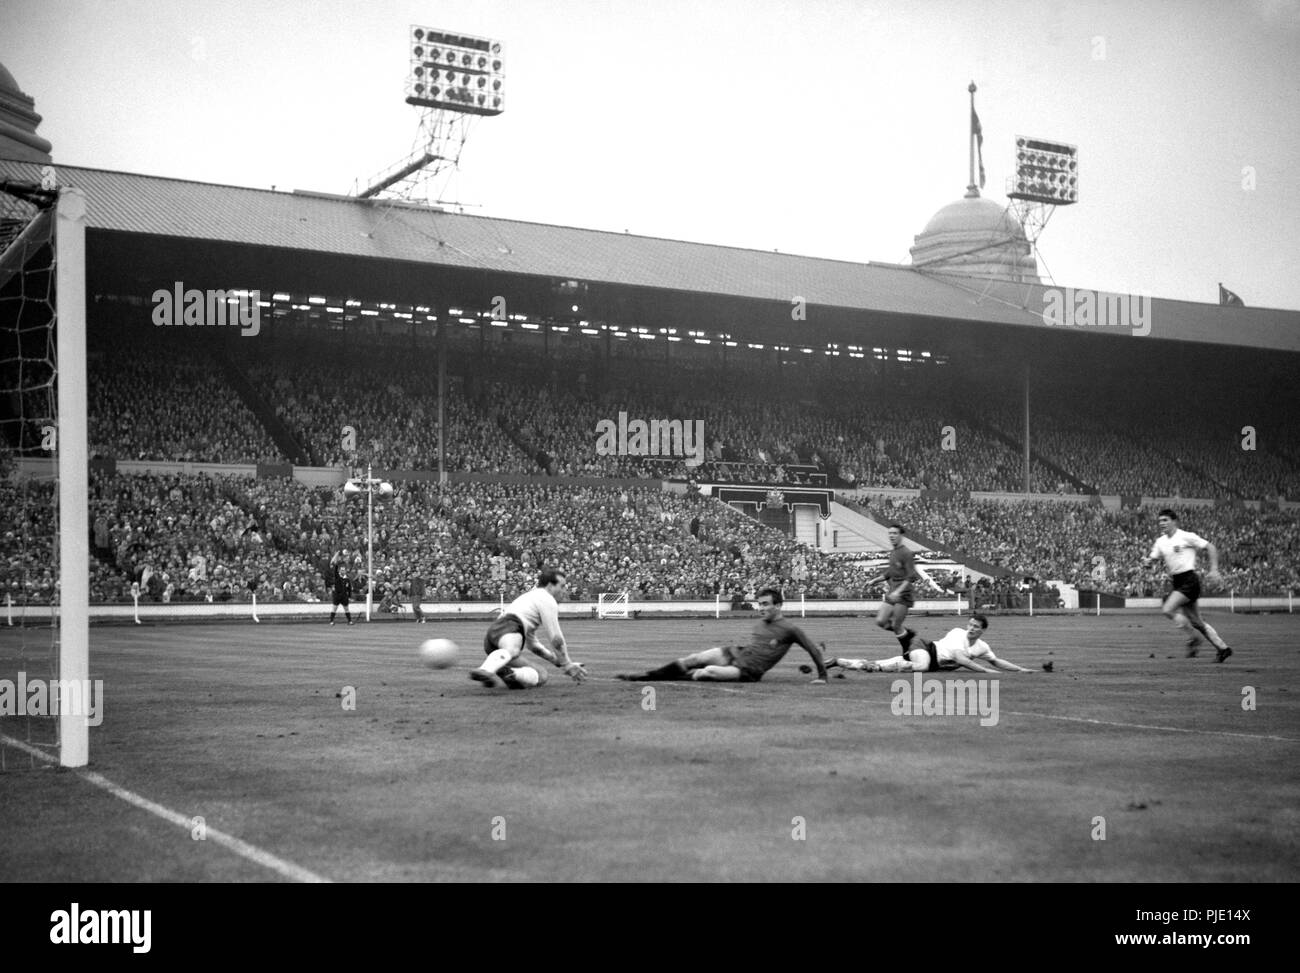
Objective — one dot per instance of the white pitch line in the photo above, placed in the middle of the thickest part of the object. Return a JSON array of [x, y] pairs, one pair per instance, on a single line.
[[240, 847], [1145, 726]]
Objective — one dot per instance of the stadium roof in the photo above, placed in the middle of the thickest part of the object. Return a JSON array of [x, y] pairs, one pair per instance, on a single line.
[[377, 229]]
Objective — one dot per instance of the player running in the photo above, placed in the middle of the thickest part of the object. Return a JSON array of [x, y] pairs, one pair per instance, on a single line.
[[957, 650], [528, 615], [899, 574], [771, 639], [1178, 548]]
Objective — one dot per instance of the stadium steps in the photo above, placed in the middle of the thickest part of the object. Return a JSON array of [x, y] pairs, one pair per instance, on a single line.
[[271, 422], [534, 454], [274, 533], [919, 542], [857, 533]]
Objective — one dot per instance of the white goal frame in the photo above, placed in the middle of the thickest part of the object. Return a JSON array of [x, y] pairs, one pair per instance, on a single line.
[[74, 473], [69, 614], [612, 604]]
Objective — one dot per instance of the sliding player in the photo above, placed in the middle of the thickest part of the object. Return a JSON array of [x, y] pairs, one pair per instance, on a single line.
[[771, 639], [1178, 548], [899, 574], [957, 650], [524, 621]]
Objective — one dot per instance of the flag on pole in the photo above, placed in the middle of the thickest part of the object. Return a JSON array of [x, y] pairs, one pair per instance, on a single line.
[[977, 130], [1229, 299]]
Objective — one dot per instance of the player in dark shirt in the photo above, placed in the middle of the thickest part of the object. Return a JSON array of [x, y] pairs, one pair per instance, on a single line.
[[771, 639], [342, 590], [899, 575], [417, 596]]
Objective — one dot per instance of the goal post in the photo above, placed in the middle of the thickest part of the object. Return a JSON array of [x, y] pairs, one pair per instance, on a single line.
[[44, 469], [612, 604], [74, 474]]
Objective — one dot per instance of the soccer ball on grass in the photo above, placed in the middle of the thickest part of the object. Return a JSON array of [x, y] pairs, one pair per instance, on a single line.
[[438, 653]]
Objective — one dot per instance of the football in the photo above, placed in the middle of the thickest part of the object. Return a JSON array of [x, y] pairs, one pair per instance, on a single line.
[[438, 653]]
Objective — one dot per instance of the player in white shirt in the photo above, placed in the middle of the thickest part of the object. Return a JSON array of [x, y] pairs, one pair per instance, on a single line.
[[528, 620], [1178, 548], [957, 650]]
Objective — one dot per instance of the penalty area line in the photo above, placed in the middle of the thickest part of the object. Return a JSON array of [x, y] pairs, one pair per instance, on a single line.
[[1146, 726], [242, 848]]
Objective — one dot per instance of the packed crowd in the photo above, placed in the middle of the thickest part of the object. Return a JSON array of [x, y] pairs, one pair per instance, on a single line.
[[509, 413], [389, 401], [1216, 449], [177, 538], [28, 560], [161, 400], [1086, 545], [487, 541], [1156, 451], [193, 538]]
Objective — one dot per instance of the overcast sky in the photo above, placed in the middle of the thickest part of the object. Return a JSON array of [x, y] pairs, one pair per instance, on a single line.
[[827, 127]]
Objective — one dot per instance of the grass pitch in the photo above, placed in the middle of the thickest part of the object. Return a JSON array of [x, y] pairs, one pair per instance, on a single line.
[[434, 778]]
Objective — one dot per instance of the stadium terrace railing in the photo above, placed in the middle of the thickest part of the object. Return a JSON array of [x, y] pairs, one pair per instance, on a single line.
[[17, 614]]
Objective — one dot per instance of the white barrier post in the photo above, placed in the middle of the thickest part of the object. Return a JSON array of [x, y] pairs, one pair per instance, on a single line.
[[801, 605], [717, 606], [1232, 602], [1290, 609], [1098, 604], [255, 618], [9, 608], [135, 597]]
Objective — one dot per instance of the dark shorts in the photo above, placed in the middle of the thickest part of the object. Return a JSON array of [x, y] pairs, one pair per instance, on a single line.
[[907, 599], [340, 600], [505, 625], [1187, 584], [931, 650], [738, 656]]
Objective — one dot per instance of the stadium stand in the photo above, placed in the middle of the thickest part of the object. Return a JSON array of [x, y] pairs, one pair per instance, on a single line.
[[187, 538]]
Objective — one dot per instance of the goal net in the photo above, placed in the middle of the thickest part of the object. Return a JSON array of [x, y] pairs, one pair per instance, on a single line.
[[612, 605], [45, 691]]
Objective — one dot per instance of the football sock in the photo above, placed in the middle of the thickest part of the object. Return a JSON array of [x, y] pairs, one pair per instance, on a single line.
[[899, 663], [906, 638], [856, 665], [1209, 632], [498, 659], [674, 670]]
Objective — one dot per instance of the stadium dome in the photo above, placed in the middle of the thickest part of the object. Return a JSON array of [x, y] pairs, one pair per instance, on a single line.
[[976, 236], [18, 121]]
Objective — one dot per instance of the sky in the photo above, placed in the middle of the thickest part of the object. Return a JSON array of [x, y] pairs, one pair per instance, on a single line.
[[834, 128]]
